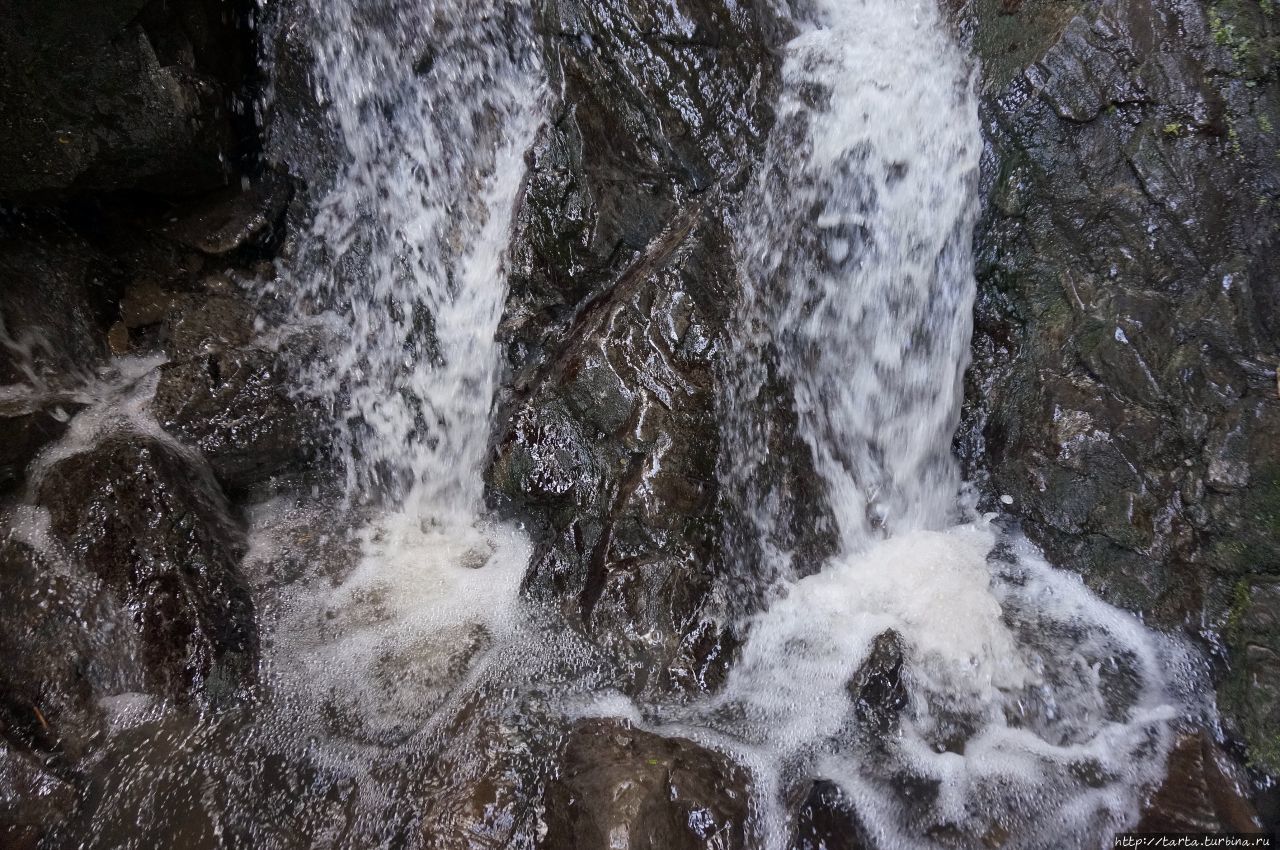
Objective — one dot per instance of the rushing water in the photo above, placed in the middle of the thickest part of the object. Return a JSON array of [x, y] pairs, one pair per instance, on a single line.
[[1035, 714]]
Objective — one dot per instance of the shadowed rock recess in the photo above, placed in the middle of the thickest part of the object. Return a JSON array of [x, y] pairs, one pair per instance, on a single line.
[[1123, 394], [1124, 387]]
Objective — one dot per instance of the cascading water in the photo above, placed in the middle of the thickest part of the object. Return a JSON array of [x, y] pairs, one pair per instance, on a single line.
[[1036, 714], [1030, 714], [432, 105]]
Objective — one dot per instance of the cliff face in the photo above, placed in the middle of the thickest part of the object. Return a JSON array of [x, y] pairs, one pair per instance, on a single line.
[[1124, 389]]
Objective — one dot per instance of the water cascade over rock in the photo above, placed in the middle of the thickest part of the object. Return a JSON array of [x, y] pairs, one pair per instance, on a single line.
[[540, 432]]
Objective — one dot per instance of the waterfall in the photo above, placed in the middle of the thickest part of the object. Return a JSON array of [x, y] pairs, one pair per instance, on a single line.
[[1033, 710], [431, 106]]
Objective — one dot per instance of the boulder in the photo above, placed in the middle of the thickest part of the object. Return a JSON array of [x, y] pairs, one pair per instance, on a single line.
[[122, 94], [879, 694], [235, 406], [67, 642], [148, 521], [624, 789]]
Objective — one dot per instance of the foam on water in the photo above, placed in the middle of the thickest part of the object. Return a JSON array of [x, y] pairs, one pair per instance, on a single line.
[[1036, 712]]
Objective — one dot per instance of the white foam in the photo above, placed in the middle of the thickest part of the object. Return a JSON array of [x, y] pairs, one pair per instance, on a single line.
[[1036, 712]]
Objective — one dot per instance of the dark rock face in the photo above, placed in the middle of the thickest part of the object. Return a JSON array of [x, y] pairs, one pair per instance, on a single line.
[[622, 788], [878, 691], [151, 524], [26, 427], [54, 291], [235, 407], [119, 94], [65, 644], [31, 799], [622, 286], [1124, 387], [826, 820]]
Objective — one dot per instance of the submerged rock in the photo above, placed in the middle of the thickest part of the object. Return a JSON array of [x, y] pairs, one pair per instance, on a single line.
[[826, 820], [152, 525], [1123, 391], [621, 788], [878, 691]]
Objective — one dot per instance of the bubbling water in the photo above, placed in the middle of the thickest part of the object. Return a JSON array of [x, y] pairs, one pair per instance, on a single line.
[[432, 105], [1034, 714]]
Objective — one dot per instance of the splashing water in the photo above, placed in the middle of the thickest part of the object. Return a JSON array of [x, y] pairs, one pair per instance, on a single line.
[[432, 106], [1033, 712]]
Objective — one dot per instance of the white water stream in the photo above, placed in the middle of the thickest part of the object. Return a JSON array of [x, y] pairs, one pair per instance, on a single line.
[[1036, 713]]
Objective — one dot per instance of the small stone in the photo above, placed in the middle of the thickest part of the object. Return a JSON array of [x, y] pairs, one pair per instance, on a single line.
[[1006, 499], [118, 339]]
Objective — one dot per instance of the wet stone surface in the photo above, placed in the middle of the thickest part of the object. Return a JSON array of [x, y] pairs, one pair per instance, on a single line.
[[1124, 390], [619, 784], [150, 523]]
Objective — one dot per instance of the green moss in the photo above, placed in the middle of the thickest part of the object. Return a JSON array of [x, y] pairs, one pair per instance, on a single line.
[[1264, 123], [1255, 548], [1173, 128], [1235, 616]]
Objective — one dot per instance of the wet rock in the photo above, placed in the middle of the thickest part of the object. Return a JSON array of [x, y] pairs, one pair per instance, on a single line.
[[622, 788], [236, 407], [67, 641], [1125, 346], [622, 277], [878, 691], [231, 219], [120, 94], [32, 800], [150, 523], [1200, 793], [54, 288], [826, 820]]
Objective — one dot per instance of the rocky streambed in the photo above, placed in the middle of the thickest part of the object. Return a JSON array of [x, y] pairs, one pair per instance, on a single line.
[[444, 425]]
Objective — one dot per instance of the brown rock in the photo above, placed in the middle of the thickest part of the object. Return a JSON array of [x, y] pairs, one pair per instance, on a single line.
[[1199, 793], [623, 789]]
